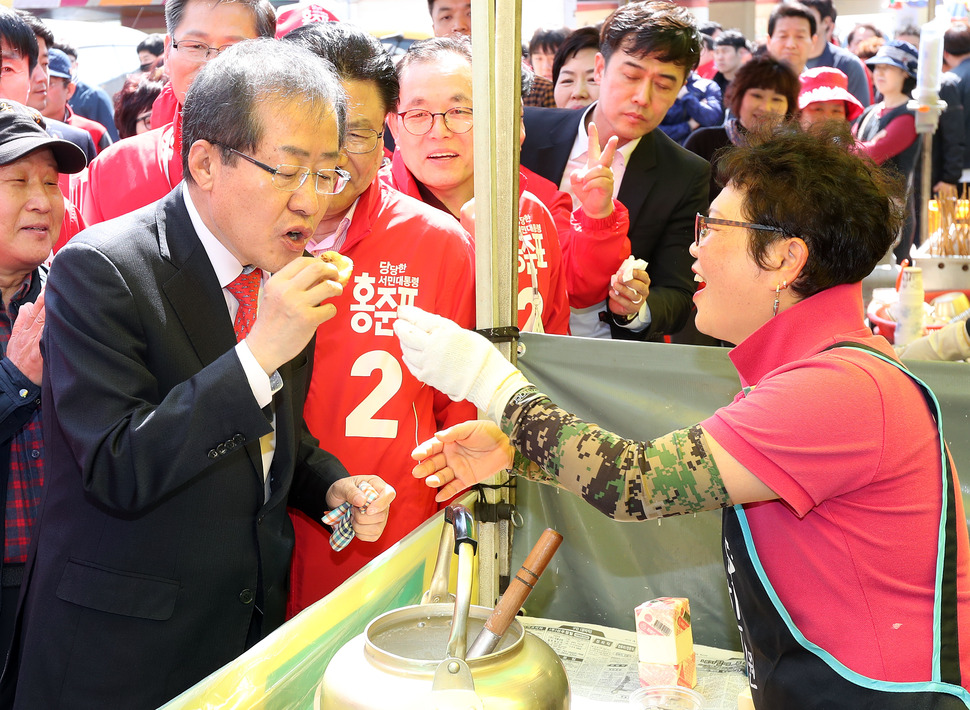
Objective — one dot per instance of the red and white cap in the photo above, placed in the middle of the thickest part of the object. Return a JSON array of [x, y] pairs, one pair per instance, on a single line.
[[828, 84], [289, 17]]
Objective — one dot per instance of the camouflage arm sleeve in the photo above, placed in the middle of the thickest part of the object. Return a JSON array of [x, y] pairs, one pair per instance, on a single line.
[[623, 479]]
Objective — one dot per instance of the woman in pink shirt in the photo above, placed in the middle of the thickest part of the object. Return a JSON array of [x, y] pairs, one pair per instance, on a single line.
[[846, 551]]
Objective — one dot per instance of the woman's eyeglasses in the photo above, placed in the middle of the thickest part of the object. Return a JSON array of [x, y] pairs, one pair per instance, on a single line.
[[701, 226]]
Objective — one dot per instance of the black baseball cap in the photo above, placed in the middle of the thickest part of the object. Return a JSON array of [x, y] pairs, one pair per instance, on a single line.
[[22, 131]]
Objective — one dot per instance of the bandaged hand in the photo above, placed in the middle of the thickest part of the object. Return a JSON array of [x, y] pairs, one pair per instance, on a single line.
[[629, 288], [458, 362]]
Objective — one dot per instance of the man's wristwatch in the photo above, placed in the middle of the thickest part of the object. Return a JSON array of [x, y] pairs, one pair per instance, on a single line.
[[623, 320]]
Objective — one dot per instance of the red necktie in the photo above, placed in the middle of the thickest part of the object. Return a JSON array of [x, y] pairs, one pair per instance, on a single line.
[[246, 290]]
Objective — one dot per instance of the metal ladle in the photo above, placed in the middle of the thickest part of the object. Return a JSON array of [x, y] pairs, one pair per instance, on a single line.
[[453, 685]]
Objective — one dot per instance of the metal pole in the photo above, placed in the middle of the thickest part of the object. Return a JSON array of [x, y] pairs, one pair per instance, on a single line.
[[496, 85], [926, 187], [927, 106]]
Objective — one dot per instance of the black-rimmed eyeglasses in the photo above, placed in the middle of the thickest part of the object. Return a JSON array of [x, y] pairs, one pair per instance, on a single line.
[[701, 228], [290, 178], [419, 121]]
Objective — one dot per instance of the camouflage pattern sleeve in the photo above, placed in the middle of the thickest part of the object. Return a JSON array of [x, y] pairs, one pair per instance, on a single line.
[[623, 479]]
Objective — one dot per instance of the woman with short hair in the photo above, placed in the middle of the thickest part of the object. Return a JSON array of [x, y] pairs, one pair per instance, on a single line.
[[843, 530], [764, 88], [573, 69]]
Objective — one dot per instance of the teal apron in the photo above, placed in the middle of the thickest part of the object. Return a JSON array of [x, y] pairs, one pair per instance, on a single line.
[[786, 671]]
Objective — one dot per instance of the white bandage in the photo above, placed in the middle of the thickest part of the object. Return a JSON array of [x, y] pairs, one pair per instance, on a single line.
[[625, 272]]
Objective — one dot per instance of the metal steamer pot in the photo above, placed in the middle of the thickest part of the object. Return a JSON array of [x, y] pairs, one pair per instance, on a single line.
[[414, 657]]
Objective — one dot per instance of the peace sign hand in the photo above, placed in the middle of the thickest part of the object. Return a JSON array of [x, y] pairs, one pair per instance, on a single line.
[[593, 185]]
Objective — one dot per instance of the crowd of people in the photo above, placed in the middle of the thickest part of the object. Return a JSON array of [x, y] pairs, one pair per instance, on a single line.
[[212, 414], [871, 69]]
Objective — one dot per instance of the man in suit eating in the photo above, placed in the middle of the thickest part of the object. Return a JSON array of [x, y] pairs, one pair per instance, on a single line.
[[647, 49], [174, 407]]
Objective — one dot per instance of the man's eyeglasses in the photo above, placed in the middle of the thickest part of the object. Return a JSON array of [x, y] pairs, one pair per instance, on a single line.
[[418, 121], [362, 140], [197, 51], [701, 228], [289, 178]]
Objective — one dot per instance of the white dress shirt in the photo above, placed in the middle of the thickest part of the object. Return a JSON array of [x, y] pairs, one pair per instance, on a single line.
[[585, 322], [227, 268]]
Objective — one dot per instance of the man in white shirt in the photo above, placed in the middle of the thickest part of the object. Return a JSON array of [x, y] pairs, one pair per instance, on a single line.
[[173, 404], [648, 49]]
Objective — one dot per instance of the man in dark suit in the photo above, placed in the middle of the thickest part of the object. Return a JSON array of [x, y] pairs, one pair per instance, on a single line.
[[647, 49], [163, 547], [956, 60]]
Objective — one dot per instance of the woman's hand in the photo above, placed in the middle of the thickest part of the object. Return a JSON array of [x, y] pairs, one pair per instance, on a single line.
[[462, 456]]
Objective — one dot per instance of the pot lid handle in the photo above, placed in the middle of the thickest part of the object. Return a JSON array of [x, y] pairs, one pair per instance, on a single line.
[[464, 525]]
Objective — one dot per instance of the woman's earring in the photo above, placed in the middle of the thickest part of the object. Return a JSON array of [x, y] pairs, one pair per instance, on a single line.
[[778, 288]]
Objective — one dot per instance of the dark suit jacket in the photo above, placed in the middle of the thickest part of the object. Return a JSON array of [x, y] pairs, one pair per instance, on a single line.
[[154, 543], [664, 187], [962, 71], [950, 138]]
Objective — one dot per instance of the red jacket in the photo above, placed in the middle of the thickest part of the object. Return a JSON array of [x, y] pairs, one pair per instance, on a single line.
[[542, 286], [592, 249], [363, 403], [130, 174], [70, 225]]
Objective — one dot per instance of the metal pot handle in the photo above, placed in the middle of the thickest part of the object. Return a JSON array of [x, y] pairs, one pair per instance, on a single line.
[[465, 547], [437, 592], [453, 688]]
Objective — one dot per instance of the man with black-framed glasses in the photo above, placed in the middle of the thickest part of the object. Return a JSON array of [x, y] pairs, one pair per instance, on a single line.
[[434, 162], [403, 252], [173, 403], [144, 168]]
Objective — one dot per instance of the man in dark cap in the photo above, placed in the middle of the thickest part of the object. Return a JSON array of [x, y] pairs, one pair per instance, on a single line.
[[31, 210]]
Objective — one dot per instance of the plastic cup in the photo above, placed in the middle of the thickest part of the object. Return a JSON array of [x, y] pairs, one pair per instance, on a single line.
[[666, 698]]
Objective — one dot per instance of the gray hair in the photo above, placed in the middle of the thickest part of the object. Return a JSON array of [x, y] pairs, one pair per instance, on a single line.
[[222, 104], [428, 51]]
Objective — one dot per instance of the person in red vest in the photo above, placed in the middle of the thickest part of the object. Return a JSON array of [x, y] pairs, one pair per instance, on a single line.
[[362, 403], [139, 170]]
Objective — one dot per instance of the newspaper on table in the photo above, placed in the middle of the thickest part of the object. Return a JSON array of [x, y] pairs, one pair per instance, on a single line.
[[601, 664]]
